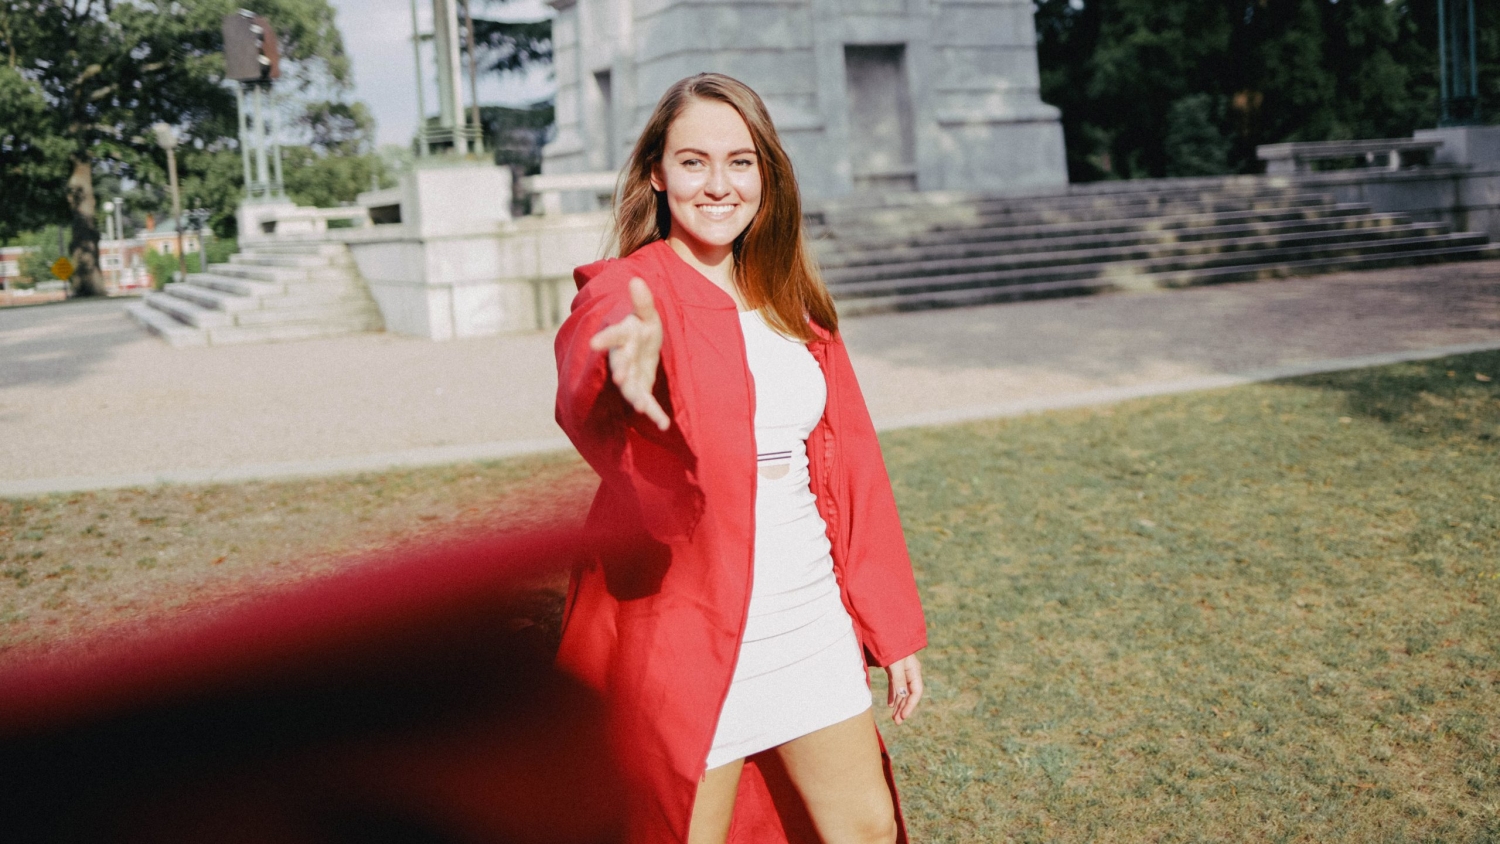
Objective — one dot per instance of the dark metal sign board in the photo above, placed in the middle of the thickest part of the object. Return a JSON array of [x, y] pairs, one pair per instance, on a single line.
[[251, 53]]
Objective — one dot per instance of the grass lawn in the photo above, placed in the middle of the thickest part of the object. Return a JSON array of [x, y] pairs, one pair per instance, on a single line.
[[1270, 613], [1264, 614]]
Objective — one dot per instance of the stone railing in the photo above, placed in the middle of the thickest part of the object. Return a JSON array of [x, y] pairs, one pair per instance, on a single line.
[[548, 189], [314, 221], [1296, 157]]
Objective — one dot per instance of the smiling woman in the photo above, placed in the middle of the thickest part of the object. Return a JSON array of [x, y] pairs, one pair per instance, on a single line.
[[702, 376]]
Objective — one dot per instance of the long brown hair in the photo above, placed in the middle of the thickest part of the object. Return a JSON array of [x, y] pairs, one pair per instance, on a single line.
[[773, 267]]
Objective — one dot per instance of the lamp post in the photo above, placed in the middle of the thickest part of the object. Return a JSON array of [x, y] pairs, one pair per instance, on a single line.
[[120, 218], [167, 140], [109, 237]]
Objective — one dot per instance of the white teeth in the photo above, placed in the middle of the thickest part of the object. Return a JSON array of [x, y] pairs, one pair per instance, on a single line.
[[716, 209]]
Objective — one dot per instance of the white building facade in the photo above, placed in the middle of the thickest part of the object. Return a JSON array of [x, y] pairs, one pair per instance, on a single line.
[[868, 95]]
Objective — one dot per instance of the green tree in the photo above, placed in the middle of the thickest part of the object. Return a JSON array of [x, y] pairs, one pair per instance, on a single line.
[[105, 72], [1178, 87]]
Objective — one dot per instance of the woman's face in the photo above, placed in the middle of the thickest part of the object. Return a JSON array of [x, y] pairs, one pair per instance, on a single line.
[[711, 176]]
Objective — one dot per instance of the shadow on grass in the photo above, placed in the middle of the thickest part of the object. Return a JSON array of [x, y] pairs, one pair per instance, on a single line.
[[1454, 399]]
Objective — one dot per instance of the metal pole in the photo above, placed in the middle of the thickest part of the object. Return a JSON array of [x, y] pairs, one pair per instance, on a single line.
[[416, 47], [473, 78], [202, 220], [262, 172], [176, 211], [239, 99], [1473, 66], [279, 188], [1444, 119]]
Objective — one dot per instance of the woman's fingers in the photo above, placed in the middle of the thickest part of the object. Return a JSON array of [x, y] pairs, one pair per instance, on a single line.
[[645, 306], [905, 687], [634, 347], [897, 673], [616, 335], [914, 688]]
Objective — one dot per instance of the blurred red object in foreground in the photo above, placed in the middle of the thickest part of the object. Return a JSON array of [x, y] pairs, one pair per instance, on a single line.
[[409, 699]]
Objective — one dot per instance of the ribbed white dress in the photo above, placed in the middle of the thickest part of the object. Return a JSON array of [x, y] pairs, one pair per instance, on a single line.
[[799, 668]]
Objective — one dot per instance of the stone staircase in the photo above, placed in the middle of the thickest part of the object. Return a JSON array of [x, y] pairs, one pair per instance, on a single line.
[[266, 293], [932, 251]]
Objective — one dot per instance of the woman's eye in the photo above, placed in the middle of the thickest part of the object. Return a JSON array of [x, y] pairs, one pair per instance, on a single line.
[[743, 162]]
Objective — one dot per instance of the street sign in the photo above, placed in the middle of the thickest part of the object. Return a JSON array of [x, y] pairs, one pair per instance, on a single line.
[[251, 53], [62, 269]]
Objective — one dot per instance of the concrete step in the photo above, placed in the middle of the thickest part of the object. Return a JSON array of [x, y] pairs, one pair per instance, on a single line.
[[1049, 240], [186, 311], [312, 293], [1076, 287], [844, 245], [904, 221], [293, 259], [1084, 277], [208, 297], [261, 289], [236, 286], [1079, 196], [254, 272], [280, 332], [1040, 255], [304, 247], [165, 326], [312, 312]]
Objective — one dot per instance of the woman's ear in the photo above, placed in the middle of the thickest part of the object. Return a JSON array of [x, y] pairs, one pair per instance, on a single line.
[[658, 178]]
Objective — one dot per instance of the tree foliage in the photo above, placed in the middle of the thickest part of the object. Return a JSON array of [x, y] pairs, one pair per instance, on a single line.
[[84, 80], [1191, 87]]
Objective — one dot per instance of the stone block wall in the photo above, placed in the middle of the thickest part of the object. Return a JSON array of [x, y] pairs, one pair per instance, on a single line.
[[970, 87]]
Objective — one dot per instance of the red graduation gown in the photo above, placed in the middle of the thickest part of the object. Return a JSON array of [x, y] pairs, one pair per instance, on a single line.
[[658, 633]]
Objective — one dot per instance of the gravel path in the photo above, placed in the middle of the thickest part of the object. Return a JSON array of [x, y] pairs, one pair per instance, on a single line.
[[88, 400]]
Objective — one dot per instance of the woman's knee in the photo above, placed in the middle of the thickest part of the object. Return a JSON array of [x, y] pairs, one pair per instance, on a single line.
[[874, 828]]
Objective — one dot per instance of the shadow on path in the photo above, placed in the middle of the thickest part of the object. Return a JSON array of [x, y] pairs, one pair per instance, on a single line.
[[62, 342]]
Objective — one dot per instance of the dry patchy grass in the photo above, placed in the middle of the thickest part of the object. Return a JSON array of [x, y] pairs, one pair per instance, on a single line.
[[72, 564]]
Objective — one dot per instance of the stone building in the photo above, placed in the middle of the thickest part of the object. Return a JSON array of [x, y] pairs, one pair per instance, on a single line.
[[868, 95]]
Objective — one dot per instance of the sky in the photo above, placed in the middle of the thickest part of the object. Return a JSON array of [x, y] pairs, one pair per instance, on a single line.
[[377, 38]]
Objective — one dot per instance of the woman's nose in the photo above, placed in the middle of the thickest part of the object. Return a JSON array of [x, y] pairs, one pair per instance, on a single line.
[[718, 183]]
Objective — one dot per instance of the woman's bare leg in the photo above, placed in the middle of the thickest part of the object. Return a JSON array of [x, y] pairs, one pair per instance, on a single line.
[[714, 806], [838, 772]]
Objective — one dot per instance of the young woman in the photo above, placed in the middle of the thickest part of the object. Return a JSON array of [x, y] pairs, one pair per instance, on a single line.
[[703, 377]]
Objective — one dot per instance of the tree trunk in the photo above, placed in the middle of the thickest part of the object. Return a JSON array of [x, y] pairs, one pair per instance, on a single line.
[[84, 248]]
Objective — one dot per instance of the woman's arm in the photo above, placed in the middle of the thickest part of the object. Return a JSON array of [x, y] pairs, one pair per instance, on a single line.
[[614, 402]]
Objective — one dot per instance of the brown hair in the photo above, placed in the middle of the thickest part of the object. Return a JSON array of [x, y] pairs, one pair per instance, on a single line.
[[774, 270]]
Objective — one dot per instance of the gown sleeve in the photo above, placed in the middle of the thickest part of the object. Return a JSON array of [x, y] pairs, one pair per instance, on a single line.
[[879, 585], [648, 475]]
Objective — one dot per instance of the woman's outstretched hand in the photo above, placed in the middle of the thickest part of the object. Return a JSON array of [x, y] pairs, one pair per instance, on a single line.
[[634, 345], [905, 687]]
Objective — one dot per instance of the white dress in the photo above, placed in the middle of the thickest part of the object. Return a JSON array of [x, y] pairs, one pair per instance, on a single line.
[[800, 668]]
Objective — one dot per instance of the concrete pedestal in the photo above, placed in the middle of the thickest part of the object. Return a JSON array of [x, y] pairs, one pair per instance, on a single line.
[[454, 264], [253, 217], [1465, 145]]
